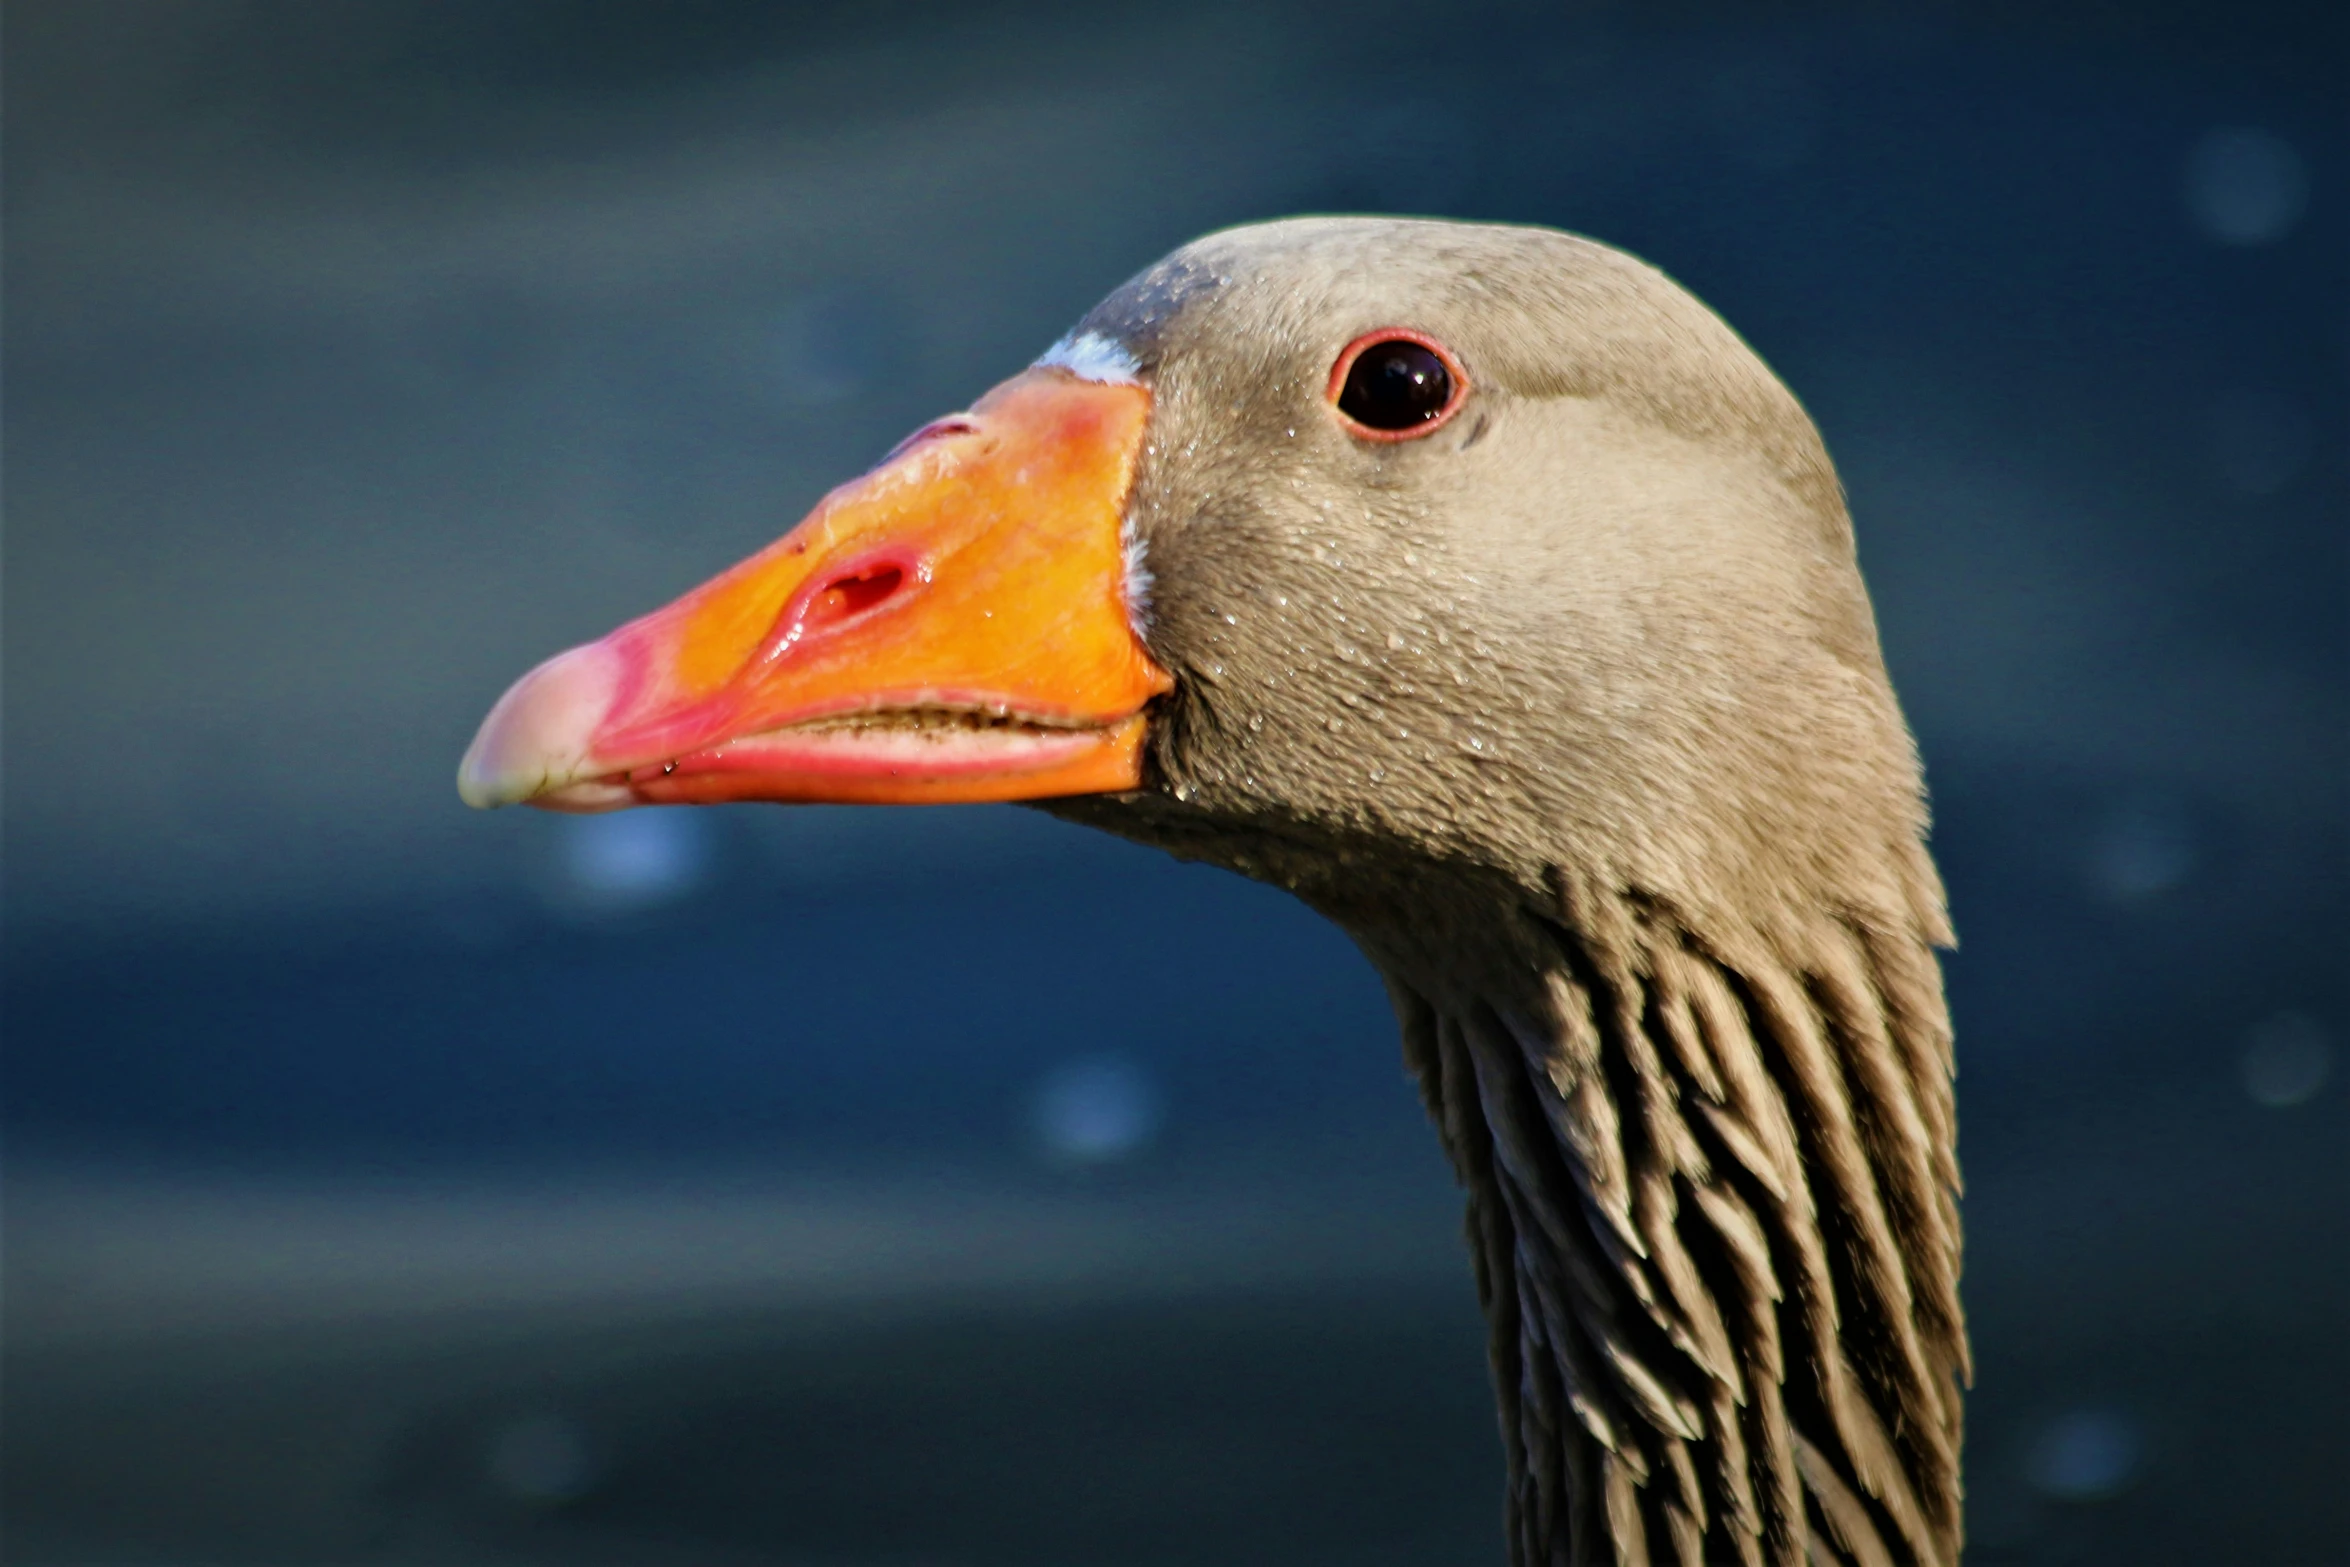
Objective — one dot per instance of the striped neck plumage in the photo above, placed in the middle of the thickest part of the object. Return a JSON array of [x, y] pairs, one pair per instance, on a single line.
[[1712, 1205]]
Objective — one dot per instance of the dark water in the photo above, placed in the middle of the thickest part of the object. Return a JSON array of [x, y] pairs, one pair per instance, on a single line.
[[390, 1183]]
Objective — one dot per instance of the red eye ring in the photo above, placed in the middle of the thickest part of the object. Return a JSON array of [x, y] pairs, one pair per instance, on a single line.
[[1344, 366]]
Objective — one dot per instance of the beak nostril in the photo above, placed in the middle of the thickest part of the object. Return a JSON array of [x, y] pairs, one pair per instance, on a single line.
[[851, 595]]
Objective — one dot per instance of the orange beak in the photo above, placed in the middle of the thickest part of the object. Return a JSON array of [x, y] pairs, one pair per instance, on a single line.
[[953, 626]]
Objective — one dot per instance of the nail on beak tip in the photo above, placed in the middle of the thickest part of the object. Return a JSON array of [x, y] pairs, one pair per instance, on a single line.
[[536, 740]]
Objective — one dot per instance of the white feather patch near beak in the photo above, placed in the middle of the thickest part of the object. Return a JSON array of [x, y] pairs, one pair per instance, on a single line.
[[1089, 356], [1138, 581]]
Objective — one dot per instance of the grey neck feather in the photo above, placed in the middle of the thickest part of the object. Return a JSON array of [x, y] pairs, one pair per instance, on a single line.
[[1573, 716]]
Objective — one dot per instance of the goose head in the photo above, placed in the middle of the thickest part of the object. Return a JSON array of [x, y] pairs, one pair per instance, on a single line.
[[1481, 587]]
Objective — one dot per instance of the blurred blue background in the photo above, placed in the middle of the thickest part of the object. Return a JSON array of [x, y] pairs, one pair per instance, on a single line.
[[390, 1183]]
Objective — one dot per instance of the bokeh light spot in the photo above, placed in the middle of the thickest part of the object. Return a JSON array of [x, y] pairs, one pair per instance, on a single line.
[[2286, 1060], [2259, 440], [541, 1459], [835, 345], [629, 860], [2246, 186], [2144, 847], [2085, 1455], [1097, 1110]]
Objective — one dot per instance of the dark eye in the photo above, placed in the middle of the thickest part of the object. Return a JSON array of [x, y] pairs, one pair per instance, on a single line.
[[1393, 386]]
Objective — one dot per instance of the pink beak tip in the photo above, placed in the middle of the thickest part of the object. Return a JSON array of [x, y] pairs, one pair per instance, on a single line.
[[538, 738]]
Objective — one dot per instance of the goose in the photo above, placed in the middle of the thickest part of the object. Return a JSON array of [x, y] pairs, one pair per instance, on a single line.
[[1482, 588]]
